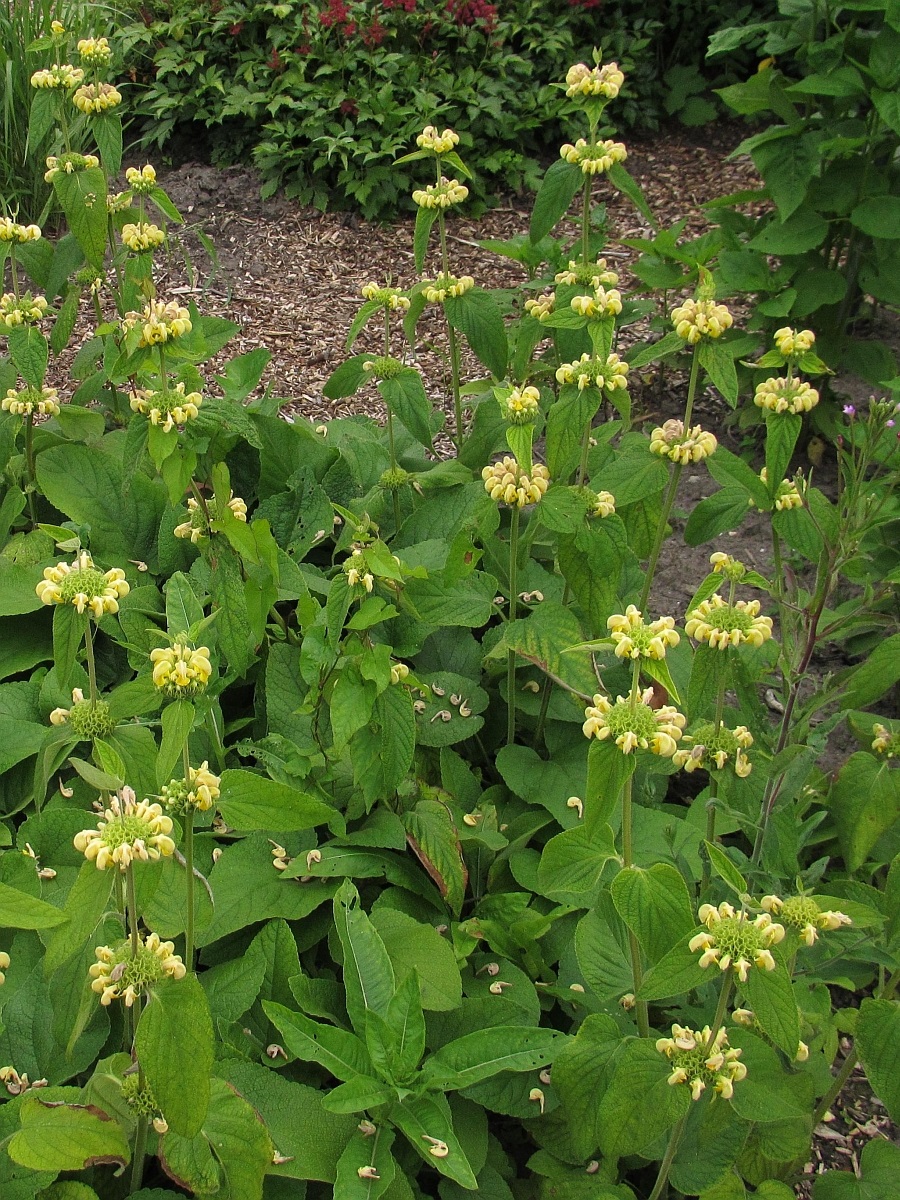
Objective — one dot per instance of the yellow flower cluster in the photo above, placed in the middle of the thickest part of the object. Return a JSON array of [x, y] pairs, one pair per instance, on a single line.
[[441, 195], [117, 201], [12, 231], [141, 179], [69, 164], [399, 672], [196, 527], [357, 573], [4, 965], [96, 97], [735, 939], [118, 974], [885, 742], [43, 400], [603, 303], [714, 746], [159, 322], [142, 236], [671, 440], [57, 28], [723, 624], [437, 143], [199, 791], [792, 344], [701, 1060], [634, 725], [94, 52], [589, 371], [172, 407], [788, 494], [507, 483], [593, 157], [593, 274], [541, 306], [26, 309], [130, 830], [181, 670], [725, 564], [520, 407], [84, 586], [387, 297], [60, 75], [87, 718], [695, 319], [636, 639], [437, 290], [603, 504], [802, 914], [782, 395], [591, 83]]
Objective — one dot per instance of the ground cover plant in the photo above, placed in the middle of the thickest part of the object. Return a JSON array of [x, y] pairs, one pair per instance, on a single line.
[[366, 833], [325, 97]]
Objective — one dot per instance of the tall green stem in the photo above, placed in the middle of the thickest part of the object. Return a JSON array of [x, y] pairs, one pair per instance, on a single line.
[[586, 222], [513, 596], [637, 970], [91, 665], [29, 463], [714, 779], [139, 1154], [451, 332], [131, 903], [390, 425], [189, 867]]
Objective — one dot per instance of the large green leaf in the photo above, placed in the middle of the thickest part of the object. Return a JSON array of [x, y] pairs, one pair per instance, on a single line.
[[368, 974], [249, 802], [865, 803], [433, 837], [425, 1118], [878, 1044], [405, 395], [581, 1074], [655, 905], [82, 197], [339, 1052], [770, 994], [639, 1104], [65, 1137], [366, 1153], [558, 187], [488, 1052], [415, 947], [174, 1045], [18, 910], [476, 315], [572, 864]]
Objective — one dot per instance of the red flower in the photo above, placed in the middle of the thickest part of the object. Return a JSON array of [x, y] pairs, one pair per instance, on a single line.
[[374, 35], [236, 28], [349, 108], [275, 60]]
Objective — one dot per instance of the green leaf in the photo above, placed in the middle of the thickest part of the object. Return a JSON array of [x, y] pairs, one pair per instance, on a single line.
[[655, 905], [731, 471], [878, 1044], [183, 609], [566, 424], [712, 1140], [418, 949], [880, 1162], [65, 1137], [107, 131], [174, 1045], [628, 186], [405, 395], [488, 1052], [82, 197], [30, 352], [368, 974], [69, 629], [608, 770], [423, 1118], [232, 987], [250, 801], [86, 907], [382, 752], [771, 996], [677, 972], [572, 864], [544, 638], [725, 868], [878, 672], [719, 513], [177, 721], [230, 1157], [581, 1075], [311, 1138], [476, 315], [432, 835], [639, 1104], [865, 803], [888, 106], [339, 1052], [519, 439], [18, 910], [361, 1152], [782, 432], [804, 230], [718, 362], [787, 165], [425, 219], [359, 1094], [558, 187], [878, 216]]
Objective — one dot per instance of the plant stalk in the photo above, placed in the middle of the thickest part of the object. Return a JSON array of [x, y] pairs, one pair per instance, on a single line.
[[637, 970], [513, 596], [189, 867]]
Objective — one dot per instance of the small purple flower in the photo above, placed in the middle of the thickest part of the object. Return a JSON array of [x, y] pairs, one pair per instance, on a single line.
[[849, 410], [891, 424]]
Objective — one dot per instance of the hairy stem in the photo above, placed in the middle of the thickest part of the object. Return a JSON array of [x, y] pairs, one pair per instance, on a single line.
[[189, 867], [637, 970], [91, 664], [511, 654]]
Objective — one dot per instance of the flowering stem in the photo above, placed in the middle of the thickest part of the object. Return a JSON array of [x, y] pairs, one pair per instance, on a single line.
[[710, 829], [511, 654], [836, 1087], [672, 488], [131, 902], [139, 1154], [29, 463], [390, 422], [721, 1009], [586, 221], [91, 665], [585, 450], [666, 1165], [189, 867], [451, 332], [637, 970]]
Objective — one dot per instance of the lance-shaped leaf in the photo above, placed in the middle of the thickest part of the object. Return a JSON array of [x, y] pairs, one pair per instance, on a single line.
[[368, 974], [340, 1052], [486, 1052]]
